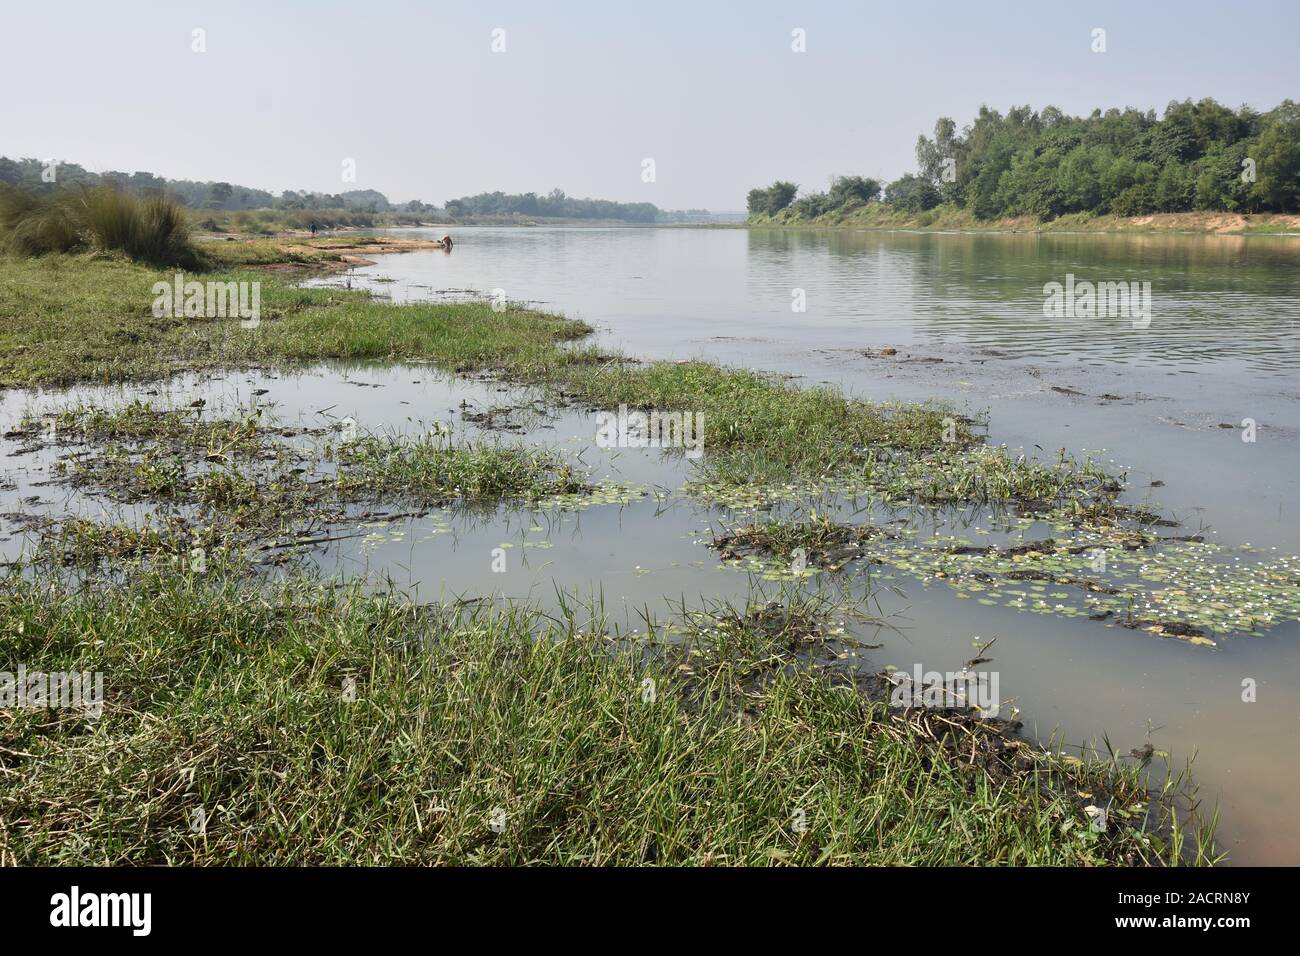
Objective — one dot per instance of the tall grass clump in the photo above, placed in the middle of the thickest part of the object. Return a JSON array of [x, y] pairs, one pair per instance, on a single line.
[[32, 225], [152, 229]]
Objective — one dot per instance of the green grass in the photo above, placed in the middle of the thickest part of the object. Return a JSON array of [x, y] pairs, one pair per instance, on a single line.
[[84, 543], [823, 542], [817, 428], [229, 698], [88, 319], [140, 421], [951, 475], [429, 468], [73, 319], [143, 451], [246, 482]]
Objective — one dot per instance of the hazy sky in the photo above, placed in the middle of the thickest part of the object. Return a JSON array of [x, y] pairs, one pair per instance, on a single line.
[[584, 92]]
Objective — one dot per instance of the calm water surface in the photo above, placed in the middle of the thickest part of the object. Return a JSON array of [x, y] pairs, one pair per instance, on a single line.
[[965, 314]]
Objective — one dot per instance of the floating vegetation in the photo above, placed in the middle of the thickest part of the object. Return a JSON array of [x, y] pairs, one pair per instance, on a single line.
[[818, 541], [1177, 586], [1211, 594], [941, 476]]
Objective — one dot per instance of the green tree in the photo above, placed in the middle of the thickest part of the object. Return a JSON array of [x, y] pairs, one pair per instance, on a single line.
[[220, 194], [1222, 178], [1175, 188], [1128, 162], [849, 190], [1277, 160], [912, 193], [771, 200]]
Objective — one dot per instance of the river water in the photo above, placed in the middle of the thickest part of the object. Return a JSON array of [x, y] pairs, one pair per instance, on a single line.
[[1169, 401]]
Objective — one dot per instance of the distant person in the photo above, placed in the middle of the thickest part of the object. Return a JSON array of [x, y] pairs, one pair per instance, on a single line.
[[313, 230], [446, 243]]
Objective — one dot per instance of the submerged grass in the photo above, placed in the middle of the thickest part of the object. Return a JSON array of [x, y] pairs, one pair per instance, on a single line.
[[141, 452], [431, 468], [820, 541], [296, 723], [236, 481], [1105, 563]]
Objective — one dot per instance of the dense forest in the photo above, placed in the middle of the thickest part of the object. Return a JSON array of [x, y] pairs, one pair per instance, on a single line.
[[554, 204], [1199, 156]]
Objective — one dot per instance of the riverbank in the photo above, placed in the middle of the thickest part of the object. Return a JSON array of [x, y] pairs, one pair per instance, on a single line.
[[947, 218], [299, 250], [306, 722], [302, 724]]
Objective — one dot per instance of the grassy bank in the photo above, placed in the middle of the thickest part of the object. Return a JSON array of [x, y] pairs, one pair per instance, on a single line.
[[303, 724], [89, 319], [951, 218]]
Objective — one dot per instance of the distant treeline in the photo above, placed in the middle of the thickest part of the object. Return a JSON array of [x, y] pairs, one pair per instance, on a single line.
[[30, 174], [1199, 156], [554, 204]]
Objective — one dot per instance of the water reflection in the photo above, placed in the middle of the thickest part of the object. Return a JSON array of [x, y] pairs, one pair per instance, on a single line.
[[1218, 300]]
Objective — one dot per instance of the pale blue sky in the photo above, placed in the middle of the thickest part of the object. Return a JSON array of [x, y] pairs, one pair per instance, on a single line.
[[585, 91]]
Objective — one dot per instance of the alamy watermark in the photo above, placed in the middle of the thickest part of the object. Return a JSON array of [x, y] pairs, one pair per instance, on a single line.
[[636, 429], [76, 908], [208, 300], [34, 690], [1089, 300], [939, 690]]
